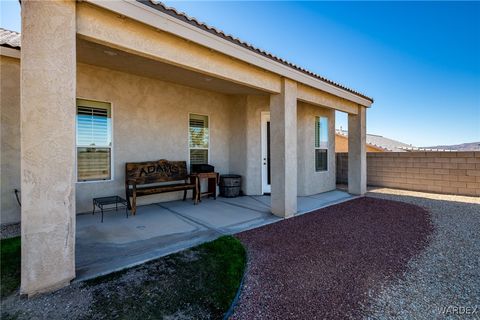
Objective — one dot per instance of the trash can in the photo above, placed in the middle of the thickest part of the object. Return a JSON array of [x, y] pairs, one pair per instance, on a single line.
[[230, 185]]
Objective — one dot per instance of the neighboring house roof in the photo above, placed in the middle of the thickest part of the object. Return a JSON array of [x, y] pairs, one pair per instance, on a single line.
[[194, 22], [381, 142], [10, 39], [469, 146]]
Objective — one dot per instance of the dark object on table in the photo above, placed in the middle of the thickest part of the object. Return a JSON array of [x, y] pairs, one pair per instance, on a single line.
[[201, 168], [230, 185], [155, 172], [212, 178], [110, 201]]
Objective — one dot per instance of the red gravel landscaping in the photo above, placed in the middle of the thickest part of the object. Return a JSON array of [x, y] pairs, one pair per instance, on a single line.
[[323, 264]]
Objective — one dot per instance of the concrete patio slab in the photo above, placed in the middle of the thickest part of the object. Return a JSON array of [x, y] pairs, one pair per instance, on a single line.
[[164, 228], [219, 215], [119, 242], [150, 221]]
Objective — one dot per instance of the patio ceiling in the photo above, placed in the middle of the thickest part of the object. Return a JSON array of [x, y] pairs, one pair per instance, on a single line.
[[111, 58]]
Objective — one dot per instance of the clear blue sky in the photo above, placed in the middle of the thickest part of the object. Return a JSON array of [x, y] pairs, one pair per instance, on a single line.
[[419, 60]]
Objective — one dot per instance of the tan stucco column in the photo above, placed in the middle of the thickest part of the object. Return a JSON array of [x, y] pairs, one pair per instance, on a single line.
[[48, 77], [357, 156], [283, 142]]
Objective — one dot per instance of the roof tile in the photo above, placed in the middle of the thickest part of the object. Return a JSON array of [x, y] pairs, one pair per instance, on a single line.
[[9, 39]]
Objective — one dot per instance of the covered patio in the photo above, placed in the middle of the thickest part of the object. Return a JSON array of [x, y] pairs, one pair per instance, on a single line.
[[163, 228], [150, 82]]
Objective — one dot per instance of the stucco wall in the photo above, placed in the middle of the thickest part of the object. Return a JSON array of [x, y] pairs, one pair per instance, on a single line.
[[119, 31], [10, 138], [245, 150], [253, 176], [150, 122], [47, 121], [441, 172], [147, 113], [310, 181]]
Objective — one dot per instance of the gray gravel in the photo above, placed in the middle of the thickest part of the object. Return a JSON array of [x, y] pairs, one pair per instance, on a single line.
[[446, 274], [69, 303], [9, 230]]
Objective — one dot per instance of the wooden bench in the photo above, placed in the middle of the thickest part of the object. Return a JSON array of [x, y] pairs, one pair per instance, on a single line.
[[145, 178]]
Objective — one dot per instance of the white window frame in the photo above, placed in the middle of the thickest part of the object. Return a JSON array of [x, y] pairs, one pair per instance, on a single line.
[[112, 152], [188, 136], [315, 148]]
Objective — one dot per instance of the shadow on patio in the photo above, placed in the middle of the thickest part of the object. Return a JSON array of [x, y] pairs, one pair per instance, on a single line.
[[163, 228]]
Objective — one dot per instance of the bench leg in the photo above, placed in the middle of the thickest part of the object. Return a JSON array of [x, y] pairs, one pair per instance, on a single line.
[[134, 203], [184, 194], [129, 206], [196, 192]]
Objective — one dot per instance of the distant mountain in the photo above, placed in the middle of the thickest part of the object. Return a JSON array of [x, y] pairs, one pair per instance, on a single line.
[[471, 146]]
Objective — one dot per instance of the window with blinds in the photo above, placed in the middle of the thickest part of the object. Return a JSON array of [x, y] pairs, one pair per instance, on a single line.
[[321, 143], [198, 136], [94, 140]]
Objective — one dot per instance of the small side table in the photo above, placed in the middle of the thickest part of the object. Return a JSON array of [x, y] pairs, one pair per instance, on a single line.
[[212, 178], [106, 204]]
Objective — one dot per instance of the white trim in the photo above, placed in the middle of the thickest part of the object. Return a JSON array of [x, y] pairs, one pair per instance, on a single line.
[[112, 151], [150, 16], [264, 118], [188, 136], [319, 148], [9, 52]]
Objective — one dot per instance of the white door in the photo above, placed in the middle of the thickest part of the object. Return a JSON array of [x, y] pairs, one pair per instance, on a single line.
[[266, 173]]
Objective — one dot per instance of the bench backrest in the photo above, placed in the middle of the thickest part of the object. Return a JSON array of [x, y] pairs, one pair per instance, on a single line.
[[155, 171]]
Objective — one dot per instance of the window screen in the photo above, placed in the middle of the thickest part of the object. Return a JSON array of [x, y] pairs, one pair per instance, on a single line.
[[198, 133], [94, 140], [321, 143]]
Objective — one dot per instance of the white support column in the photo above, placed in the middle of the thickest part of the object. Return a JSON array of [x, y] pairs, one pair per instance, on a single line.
[[48, 85], [283, 141], [357, 156]]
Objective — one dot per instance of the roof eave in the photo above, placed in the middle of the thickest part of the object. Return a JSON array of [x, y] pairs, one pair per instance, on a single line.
[[148, 15], [9, 51]]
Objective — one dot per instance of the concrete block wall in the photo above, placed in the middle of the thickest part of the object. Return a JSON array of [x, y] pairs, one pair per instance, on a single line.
[[440, 172], [341, 166]]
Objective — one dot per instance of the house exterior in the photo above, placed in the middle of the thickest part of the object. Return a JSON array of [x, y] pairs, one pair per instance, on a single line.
[[375, 143], [109, 82]]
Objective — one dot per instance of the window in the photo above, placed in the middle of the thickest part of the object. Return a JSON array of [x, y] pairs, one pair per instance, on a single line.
[[198, 136], [94, 140], [321, 143]]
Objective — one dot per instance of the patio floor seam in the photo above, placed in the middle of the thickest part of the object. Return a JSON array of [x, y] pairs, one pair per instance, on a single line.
[[245, 207], [259, 201], [210, 227]]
